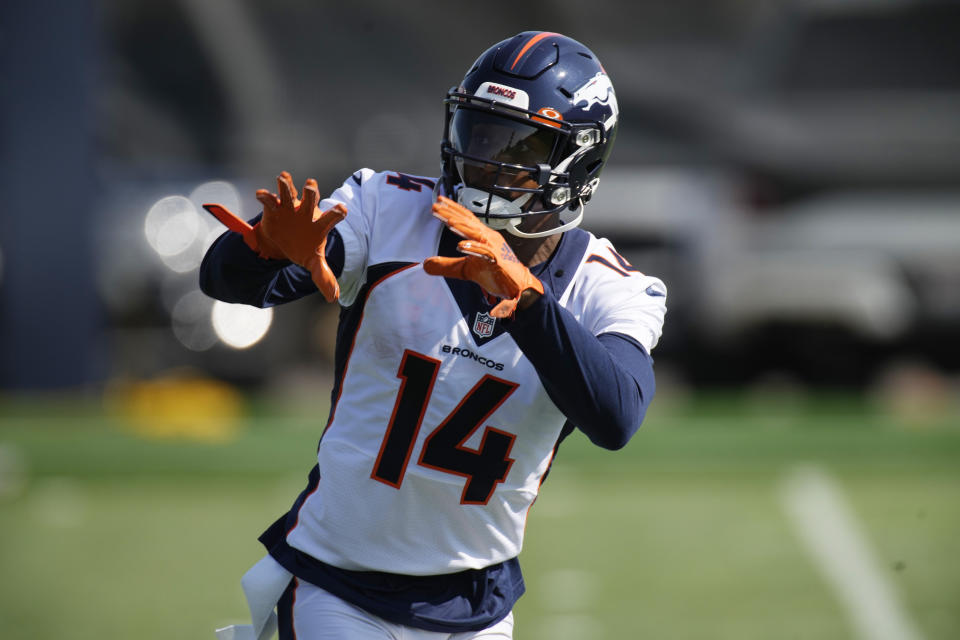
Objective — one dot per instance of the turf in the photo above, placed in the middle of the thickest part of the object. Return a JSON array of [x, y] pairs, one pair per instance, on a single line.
[[106, 534]]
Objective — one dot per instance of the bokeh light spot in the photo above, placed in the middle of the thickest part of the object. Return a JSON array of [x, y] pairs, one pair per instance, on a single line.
[[240, 326], [172, 225]]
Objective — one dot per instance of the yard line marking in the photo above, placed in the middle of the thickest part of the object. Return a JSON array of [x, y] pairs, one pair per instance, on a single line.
[[836, 543], [569, 594], [13, 472], [570, 626], [569, 590]]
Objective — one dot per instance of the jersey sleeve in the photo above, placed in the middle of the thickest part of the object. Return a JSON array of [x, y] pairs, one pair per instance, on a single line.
[[593, 358], [602, 384], [619, 299]]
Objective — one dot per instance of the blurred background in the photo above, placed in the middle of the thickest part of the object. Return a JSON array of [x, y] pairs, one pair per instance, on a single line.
[[790, 169]]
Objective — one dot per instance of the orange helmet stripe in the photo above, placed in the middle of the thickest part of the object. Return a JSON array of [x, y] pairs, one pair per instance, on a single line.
[[532, 41]]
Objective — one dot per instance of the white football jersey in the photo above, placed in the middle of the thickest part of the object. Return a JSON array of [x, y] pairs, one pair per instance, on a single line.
[[441, 431]]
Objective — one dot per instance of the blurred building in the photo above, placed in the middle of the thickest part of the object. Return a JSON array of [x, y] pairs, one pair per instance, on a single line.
[[791, 169]]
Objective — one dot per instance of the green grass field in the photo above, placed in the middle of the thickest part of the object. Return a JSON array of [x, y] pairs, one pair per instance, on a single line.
[[682, 535]]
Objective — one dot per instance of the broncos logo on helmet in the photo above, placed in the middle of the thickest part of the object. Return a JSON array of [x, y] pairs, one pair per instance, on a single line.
[[599, 90]]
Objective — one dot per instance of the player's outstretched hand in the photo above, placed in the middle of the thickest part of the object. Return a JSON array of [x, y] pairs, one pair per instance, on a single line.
[[290, 229], [299, 229], [489, 261]]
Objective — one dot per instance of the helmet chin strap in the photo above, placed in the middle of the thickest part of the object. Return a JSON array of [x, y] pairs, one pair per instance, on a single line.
[[511, 226], [485, 204], [477, 201]]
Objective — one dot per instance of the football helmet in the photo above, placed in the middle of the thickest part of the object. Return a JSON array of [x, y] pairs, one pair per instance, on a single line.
[[528, 131]]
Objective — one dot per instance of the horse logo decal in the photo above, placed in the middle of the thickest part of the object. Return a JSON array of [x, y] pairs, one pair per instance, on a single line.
[[598, 90]]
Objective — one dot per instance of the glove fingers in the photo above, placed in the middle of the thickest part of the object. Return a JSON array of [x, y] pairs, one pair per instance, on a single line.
[[472, 229], [505, 308], [329, 218], [459, 214], [452, 210], [269, 201], [286, 190], [470, 268], [461, 220], [478, 249], [447, 267], [447, 220], [311, 196]]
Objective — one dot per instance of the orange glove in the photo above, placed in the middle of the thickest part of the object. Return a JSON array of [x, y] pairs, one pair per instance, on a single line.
[[252, 236], [489, 261], [300, 230], [291, 229]]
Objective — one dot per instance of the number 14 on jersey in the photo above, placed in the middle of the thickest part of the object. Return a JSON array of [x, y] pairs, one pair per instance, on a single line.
[[444, 450]]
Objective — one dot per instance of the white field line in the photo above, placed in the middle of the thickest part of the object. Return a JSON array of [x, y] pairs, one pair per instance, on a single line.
[[569, 594], [837, 545]]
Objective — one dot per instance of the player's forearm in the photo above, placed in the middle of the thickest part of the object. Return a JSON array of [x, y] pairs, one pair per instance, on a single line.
[[232, 272], [602, 384]]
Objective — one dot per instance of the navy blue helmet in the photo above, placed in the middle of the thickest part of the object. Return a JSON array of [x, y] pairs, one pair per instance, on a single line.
[[528, 131]]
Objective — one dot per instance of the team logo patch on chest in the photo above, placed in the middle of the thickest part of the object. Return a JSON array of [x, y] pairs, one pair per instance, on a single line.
[[483, 324]]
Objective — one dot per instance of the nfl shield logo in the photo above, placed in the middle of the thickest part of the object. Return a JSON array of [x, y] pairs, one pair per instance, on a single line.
[[483, 325]]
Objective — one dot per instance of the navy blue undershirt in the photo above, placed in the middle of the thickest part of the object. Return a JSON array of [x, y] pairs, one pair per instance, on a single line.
[[602, 384]]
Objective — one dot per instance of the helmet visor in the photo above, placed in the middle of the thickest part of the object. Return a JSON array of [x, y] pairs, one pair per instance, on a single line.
[[482, 135], [498, 154]]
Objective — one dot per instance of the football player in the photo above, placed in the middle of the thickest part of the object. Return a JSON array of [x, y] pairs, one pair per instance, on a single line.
[[479, 327]]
